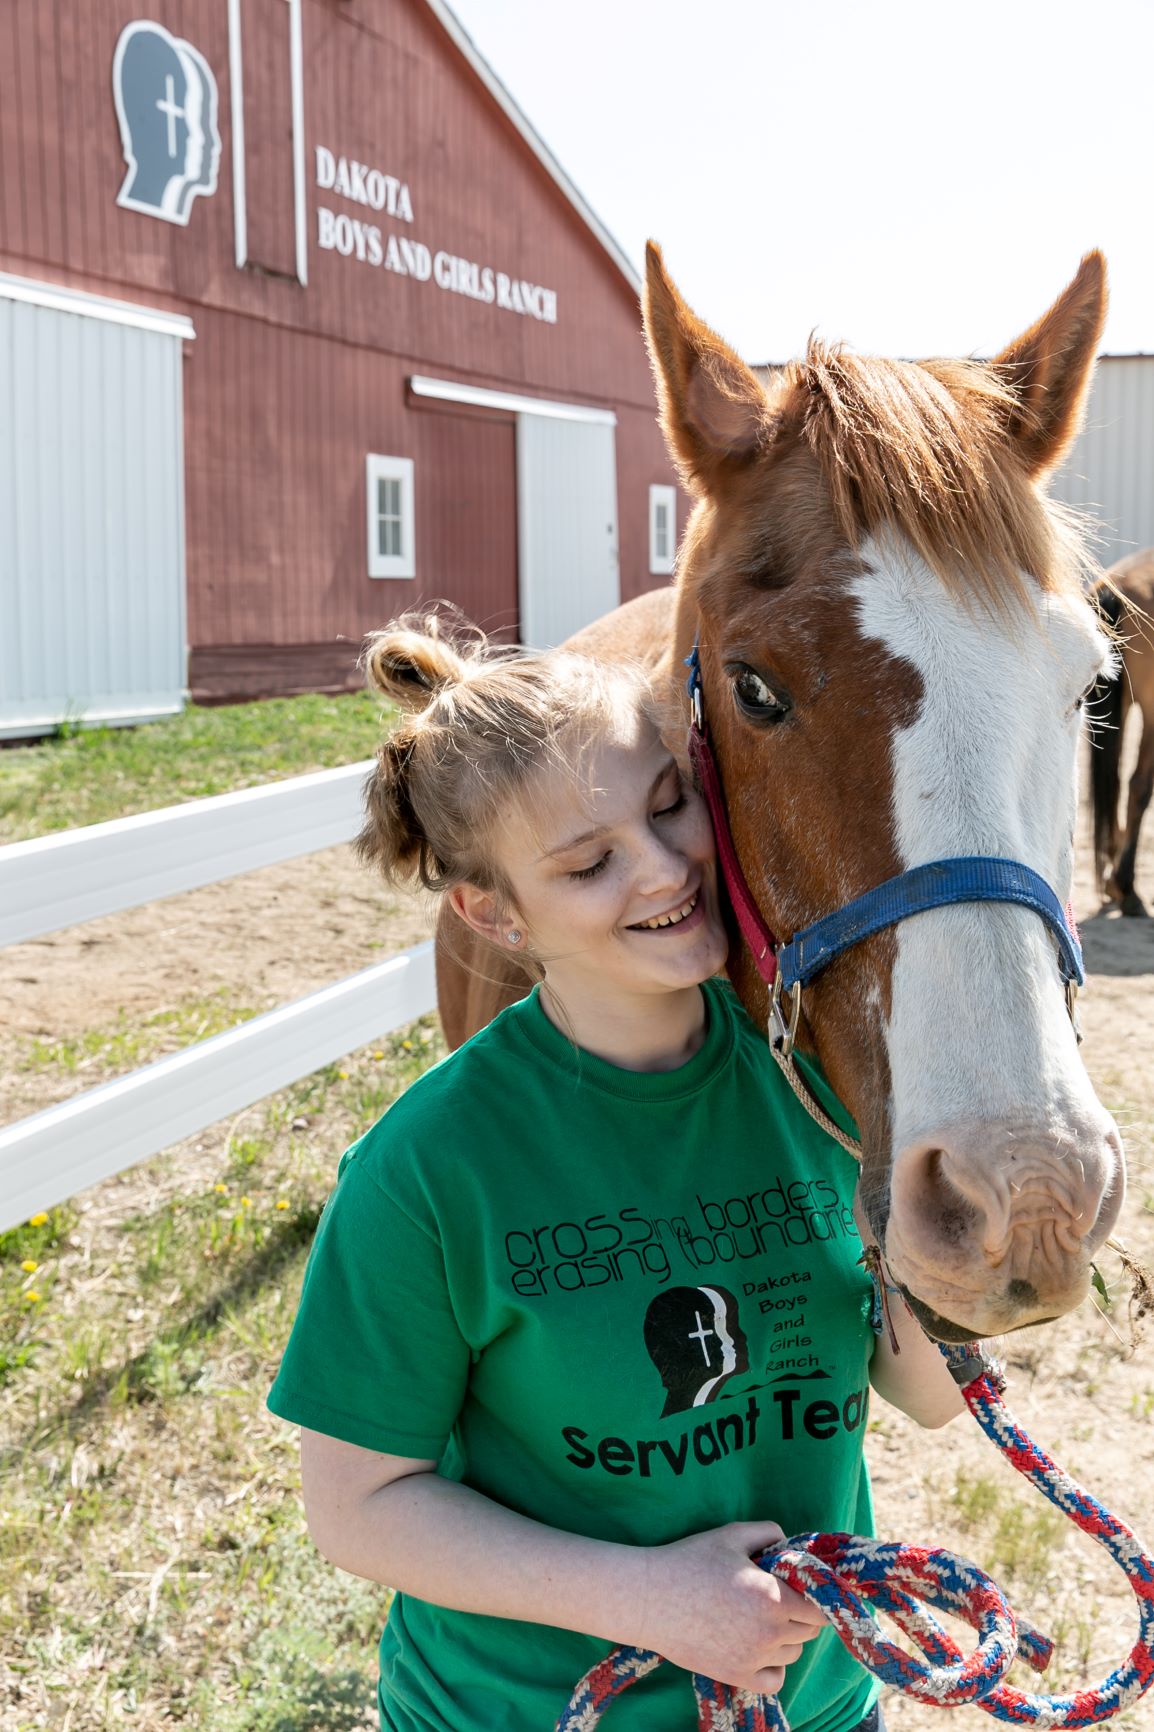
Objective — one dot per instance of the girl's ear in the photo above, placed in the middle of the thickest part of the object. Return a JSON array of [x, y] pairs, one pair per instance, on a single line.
[[479, 909]]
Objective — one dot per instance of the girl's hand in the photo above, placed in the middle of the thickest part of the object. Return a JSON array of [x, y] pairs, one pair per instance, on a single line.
[[711, 1609]]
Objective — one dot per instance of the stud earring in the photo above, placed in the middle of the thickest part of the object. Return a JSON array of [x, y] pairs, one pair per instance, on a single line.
[[514, 937]]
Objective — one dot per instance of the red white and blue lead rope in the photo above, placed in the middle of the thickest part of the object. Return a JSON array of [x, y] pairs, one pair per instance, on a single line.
[[851, 1579]]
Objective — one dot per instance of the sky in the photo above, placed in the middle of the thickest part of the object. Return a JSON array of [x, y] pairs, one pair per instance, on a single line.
[[913, 176]]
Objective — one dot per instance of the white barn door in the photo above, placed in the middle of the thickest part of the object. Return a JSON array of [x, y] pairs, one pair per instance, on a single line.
[[92, 604], [566, 525]]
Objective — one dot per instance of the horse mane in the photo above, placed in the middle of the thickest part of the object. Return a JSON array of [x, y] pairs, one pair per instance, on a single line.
[[922, 449]]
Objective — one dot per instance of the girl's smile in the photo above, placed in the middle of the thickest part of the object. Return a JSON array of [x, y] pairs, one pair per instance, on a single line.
[[685, 918]]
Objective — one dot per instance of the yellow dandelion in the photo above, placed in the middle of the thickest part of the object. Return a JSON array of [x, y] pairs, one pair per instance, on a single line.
[[29, 1267], [40, 1220], [281, 1204], [344, 1075], [246, 1202], [408, 1045], [32, 1297], [378, 1055], [221, 1190]]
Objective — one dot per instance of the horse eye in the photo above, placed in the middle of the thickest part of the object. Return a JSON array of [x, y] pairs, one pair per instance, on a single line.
[[1081, 702], [756, 697]]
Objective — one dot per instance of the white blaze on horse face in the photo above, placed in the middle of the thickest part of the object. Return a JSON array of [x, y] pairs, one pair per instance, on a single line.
[[983, 1059]]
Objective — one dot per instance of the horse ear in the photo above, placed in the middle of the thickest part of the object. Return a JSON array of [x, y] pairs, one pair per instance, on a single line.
[[1048, 368], [714, 412]]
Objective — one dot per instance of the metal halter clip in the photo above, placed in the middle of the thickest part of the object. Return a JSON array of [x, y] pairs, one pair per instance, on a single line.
[[1072, 1007], [970, 1360], [786, 1032], [693, 687]]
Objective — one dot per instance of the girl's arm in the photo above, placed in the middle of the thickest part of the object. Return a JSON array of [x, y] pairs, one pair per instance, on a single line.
[[916, 1379], [699, 1602]]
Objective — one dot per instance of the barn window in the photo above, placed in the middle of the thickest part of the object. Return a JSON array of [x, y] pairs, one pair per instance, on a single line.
[[389, 484], [662, 529]]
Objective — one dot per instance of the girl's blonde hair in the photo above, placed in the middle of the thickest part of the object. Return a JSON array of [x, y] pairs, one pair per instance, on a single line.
[[480, 724]]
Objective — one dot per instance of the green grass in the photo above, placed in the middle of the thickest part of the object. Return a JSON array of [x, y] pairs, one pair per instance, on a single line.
[[155, 1568], [87, 776], [128, 1043], [1020, 1539]]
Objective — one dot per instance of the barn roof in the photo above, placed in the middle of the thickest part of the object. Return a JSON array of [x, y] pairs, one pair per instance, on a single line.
[[465, 44]]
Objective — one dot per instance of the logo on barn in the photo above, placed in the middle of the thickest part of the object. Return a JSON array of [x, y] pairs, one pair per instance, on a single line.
[[167, 106]]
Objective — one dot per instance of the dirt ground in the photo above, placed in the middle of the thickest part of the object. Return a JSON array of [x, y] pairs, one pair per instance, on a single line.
[[1080, 1385], [257, 941]]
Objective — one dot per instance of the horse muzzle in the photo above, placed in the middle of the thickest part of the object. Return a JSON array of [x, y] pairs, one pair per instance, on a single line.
[[993, 1227]]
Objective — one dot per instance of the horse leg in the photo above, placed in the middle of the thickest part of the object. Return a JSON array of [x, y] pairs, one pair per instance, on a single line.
[[475, 980], [1137, 800], [1110, 712]]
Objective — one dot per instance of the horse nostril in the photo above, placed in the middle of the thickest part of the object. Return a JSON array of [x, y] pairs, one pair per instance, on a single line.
[[939, 1197], [954, 1215], [1022, 1293]]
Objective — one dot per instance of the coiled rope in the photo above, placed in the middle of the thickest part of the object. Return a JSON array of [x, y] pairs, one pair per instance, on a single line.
[[852, 1579]]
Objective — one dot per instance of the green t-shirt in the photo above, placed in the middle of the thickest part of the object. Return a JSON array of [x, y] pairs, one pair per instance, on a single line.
[[628, 1305]]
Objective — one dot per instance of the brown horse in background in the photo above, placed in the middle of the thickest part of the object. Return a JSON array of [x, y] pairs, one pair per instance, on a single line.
[[895, 644], [1129, 607]]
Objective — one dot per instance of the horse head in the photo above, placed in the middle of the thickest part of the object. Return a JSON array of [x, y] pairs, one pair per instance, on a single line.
[[895, 642]]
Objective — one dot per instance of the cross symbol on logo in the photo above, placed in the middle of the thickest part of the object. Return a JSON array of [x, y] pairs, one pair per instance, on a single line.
[[169, 106], [700, 1334]]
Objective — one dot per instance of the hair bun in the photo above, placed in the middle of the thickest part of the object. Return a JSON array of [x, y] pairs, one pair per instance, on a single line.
[[410, 662]]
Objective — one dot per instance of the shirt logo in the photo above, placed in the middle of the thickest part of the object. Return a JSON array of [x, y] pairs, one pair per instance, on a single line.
[[166, 104], [694, 1338]]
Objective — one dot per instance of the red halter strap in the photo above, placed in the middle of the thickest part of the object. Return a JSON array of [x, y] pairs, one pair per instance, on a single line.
[[760, 940]]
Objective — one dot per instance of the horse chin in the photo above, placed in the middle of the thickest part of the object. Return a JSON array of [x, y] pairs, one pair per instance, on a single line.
[[937, 1327], [940, 1328]]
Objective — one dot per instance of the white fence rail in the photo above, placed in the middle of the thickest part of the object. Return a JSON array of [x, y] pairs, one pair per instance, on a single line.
[[58, 881], [54, 1154]]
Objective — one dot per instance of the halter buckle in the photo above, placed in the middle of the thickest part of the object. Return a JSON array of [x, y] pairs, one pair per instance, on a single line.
[[693, 687], [1072, 1007], [786, 1031]]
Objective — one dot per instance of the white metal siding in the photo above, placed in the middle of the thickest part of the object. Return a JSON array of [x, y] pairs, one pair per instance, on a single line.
[[1110, 471], [92, 597], [566, 526]]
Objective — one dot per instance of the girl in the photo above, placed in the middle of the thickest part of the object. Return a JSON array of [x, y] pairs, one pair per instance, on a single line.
[[584, 1325]]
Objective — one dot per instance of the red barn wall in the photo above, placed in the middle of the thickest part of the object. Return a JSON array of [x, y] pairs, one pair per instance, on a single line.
[[288, 387]]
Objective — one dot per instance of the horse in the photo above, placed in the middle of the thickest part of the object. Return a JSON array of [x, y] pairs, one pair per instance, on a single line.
[[895, 640], [1126, 601]]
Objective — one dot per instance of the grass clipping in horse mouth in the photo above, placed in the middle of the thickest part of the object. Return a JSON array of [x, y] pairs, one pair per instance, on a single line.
[[1141, 1288]]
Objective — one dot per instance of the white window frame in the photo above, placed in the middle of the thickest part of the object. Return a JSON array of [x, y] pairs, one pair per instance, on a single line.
[[377, 469], [661, 564]]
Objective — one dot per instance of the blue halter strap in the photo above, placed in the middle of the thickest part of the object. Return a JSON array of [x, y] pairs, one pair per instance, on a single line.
[[938, 884], [964, 878]]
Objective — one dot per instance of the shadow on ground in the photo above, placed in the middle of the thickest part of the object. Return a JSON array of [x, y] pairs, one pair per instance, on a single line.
[[1118, 944], [130, 1375]]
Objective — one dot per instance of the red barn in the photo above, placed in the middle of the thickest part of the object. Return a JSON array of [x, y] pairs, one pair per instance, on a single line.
[[301, 324]]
